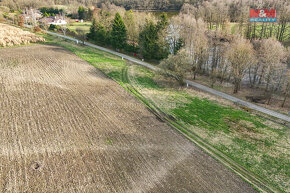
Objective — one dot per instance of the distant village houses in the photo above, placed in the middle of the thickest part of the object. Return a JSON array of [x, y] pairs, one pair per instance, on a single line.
[[54, 20], [31, 15]]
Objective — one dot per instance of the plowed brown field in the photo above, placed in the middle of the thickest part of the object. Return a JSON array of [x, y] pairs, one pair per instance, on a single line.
[[65, 127]]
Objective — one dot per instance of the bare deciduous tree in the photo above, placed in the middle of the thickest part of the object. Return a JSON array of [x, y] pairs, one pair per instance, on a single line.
[[240, 56], [287, 88], [256, 69], [273, 53], [218, 66], [132, 27], [63, 29], [174, 33], [195, 40], [272, 56]]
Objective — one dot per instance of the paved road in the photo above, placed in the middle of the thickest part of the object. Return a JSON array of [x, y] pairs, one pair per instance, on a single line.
[[190, 83], [239, 101]]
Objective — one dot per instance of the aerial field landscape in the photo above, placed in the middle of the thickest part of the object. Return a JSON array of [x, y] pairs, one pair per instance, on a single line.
[[67, 127], [144, 96]]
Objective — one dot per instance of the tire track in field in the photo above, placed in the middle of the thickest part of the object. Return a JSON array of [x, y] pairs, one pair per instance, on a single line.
[[161, 168]]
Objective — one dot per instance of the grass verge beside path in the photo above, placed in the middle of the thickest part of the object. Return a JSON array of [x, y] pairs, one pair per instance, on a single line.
[[260, 146], [84, 26]]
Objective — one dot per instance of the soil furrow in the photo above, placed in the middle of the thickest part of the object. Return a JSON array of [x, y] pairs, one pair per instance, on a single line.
[[65, 127]]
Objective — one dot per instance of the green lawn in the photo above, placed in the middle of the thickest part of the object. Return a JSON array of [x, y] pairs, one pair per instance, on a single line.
[[85, 26], [259, 145]]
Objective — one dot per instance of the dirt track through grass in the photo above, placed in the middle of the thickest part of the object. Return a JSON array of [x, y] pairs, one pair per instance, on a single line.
[[65, 127]]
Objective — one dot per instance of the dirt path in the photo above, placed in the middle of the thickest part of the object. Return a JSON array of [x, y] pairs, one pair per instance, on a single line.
[[65, 127]]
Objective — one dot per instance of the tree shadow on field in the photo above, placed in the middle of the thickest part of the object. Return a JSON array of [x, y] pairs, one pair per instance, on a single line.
[[97, 73], [58, 49]]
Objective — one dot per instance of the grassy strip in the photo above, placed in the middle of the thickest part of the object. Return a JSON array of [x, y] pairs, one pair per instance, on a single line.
[[242, 137], [84, 26], [247, 139]]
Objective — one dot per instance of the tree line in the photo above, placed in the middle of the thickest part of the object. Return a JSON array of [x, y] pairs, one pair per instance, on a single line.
[[190, 44], [164, 5], [225, 56], [132, 32]]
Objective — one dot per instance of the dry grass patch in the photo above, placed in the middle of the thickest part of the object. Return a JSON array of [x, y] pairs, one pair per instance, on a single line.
[[13, 36]]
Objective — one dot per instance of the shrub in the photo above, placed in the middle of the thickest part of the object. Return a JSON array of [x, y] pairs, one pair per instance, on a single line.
[[52, 27], [37, 29]]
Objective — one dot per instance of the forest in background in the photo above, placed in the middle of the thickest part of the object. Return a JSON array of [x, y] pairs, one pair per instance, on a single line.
[[128, 4], [163, 5]]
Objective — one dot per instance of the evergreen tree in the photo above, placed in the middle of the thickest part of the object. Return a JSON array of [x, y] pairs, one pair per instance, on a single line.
[[152, 39], [163, 22], [163, 46], [177, 46], [91, 34], [81, 12], [148, 41], [98, 33], [89, 14], [119, 33], [101, 36]]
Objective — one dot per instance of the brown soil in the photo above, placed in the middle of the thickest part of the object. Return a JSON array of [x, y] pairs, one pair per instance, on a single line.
[[65, 127]]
